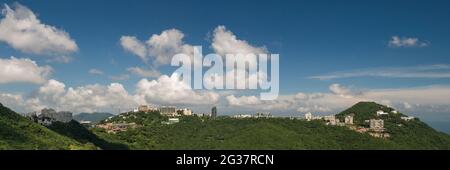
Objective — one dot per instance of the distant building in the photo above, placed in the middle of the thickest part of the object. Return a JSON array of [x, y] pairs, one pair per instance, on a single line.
[[240, 116], [394, 111], [85, 122], [331, 120], [168, 110], [376, 124], [171, 121], [214, 112], [116, 127], [348, 119], [407, 118], [380, 112], [185, 112], [202, 114], [135, 110], [145, 108], [263, 115], [308, 116]]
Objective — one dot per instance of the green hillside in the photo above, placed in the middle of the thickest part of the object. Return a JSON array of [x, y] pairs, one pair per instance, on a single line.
[[17, 132], [413, 134], [194, 132], [78, 132]]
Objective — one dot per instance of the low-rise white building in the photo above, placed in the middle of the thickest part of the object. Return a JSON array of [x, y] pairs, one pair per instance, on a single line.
[[380, 112], [240, 116], [348, 120], [407, 118]]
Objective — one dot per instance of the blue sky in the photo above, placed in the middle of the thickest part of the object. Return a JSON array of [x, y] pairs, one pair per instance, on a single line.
[[313, 38]]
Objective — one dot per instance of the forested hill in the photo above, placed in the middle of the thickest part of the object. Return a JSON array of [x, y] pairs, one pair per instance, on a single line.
[[150, 131]]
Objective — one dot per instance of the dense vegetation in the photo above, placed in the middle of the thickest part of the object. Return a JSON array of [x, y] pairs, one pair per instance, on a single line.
[[76, 131], [17, 132], [228, 133], [406, 134], [194, 132], [276, 133]]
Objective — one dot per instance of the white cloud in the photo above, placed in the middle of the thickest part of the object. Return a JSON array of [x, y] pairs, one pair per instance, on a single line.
[[144, 72], [225, 42], [418, 101], [133, 45], [21, 29], [337, 89], [170, 42], [397, 41], [170, 90], [282, 103], [89, 98], [159, 48], [23, 70], [313, 108], [243, 100], [424, 71]]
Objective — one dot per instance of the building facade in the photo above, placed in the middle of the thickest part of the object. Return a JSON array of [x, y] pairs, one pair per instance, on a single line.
[[214, 112], [168, 110]]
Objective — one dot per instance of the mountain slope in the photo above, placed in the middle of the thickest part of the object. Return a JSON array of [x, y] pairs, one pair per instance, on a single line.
[[17, 132], [78, 132]]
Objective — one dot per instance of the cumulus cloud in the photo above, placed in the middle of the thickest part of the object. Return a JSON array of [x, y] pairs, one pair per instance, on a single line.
[[142, 72], [282, 103], [170, 90], [89, 98], [159, 48], [397, 42], [96, 71], [243, 100], [420, 100], [421, 71], [21, 29], [15, 70], [133, 45], [225, 42]]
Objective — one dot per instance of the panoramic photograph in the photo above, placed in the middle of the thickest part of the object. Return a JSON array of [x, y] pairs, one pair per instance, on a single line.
[[224, 75]]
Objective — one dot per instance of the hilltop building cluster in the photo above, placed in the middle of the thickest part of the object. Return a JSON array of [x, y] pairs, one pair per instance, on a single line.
[[47, 116], [171, 112], [257, 115], [374, 126]]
